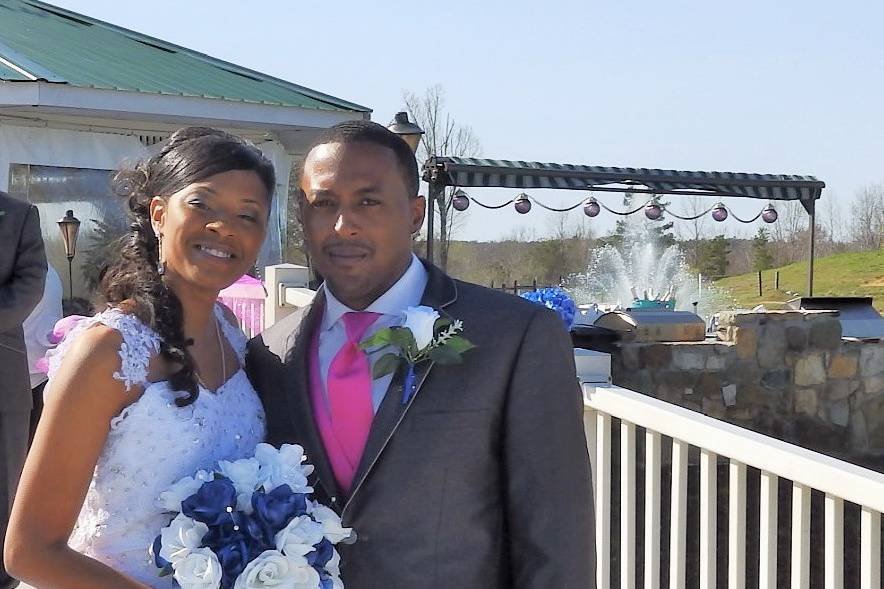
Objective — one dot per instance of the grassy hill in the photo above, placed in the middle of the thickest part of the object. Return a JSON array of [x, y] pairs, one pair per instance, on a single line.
[[851, 274]]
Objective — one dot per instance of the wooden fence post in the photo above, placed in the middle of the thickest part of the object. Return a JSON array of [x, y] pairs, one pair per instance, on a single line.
[[759, 283]]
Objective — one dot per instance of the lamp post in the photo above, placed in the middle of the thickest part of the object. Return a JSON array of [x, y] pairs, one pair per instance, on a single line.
[[70, 227], [411, 134]]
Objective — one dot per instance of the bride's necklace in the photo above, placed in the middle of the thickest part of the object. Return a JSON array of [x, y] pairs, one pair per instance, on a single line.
[[199, 377]]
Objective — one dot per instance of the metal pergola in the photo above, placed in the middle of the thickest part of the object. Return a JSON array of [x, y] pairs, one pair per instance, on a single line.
[[442, 172]]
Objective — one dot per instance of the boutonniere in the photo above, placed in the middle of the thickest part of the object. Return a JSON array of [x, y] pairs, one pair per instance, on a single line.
[[423, 337]]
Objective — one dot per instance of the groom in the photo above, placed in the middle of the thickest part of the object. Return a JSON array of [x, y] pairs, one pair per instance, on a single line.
[[479, 478]]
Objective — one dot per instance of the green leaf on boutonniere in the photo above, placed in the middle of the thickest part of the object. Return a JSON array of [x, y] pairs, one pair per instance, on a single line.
[[381, 339], [459, 344], [386, 364], [444, 355], [404, 340]]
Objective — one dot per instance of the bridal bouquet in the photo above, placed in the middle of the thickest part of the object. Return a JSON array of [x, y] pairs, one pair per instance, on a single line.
[[250, 524]]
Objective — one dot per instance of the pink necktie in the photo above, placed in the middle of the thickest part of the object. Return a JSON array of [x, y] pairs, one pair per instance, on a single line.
[[349, 396]]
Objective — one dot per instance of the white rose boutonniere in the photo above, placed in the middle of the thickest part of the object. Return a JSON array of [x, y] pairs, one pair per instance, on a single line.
[[424, 336]]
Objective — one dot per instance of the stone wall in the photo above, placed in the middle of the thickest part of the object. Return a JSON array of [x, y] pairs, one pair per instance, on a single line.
[[788, 374]]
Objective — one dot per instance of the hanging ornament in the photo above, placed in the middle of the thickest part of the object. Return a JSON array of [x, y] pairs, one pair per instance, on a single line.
[[719, 213], [769, 214], [591, 207], [460, 201], [653, 211], [522, 204]]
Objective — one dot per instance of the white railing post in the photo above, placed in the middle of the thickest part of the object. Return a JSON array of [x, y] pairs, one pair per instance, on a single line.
[[800, 536], [767, 545], [603, 501], [277, 280], [678, 515], [736, 545], [652, 509], [627, 505], [870, 564], [708, 518], [834, 542]]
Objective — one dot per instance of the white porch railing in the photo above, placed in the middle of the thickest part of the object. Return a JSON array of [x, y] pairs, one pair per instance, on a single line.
[[840, 481]]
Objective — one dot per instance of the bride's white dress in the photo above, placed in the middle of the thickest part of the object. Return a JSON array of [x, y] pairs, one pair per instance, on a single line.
[[153, 443]]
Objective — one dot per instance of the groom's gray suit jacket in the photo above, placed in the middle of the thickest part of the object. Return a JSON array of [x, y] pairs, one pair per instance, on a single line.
[[480, 481]]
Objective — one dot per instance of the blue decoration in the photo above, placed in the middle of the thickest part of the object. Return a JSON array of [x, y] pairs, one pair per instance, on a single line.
[[408, 385], [212, 504], [557, 300]]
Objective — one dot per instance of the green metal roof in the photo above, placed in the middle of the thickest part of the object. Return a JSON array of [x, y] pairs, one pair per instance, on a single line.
[[61, 46], [7, 73]]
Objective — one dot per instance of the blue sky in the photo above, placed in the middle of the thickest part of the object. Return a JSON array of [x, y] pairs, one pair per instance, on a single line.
[[755, 86]]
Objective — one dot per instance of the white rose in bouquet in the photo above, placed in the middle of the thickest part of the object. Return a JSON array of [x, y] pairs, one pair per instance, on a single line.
[[420, 320], [333, 566], [245, 476], [200, 569], [274, 569], [283, 467], [299, 537], [170, 499], [181, 537], [332, 529]]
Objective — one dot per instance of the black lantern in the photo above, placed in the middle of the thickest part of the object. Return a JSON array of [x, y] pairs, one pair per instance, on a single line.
[[719, 212], [591, 207], [70, 227], [523, 204], [409, 132], [460, 201]]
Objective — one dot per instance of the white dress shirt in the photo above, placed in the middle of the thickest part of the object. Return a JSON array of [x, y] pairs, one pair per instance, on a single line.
[[40, 323], [406, 292]]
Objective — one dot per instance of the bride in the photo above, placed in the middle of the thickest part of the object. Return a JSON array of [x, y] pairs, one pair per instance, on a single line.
[[151, 389]]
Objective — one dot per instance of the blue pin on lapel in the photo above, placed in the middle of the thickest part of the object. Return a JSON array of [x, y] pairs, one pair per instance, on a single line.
[[408, 385]]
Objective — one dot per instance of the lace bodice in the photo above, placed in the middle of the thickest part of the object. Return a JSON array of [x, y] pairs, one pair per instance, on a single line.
[[152, 443]]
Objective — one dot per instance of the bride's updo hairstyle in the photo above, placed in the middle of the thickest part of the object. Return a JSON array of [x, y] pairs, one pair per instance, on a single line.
[[133, 282]]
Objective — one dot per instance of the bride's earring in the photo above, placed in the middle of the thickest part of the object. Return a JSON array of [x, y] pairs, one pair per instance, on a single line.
[[161, 264]]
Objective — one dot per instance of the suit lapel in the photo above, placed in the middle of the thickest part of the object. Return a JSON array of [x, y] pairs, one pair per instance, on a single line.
[[298, 365], [439, 293]]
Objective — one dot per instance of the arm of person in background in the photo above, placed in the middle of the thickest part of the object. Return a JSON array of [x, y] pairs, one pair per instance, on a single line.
[[58, 471], [21, 293], [549, 500]]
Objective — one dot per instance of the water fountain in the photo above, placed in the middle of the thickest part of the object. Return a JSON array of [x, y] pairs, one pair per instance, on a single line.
[[639, 274]]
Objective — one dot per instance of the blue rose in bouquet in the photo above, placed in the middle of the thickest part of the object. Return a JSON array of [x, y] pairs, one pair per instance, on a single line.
[[249, 521], [557, 300]]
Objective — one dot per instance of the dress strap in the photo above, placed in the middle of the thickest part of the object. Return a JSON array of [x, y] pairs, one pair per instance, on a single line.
[[140, 344], [233, 332]]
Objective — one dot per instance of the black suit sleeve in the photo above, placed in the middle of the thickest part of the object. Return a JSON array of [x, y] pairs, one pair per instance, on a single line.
[[21, 293], [549, 502]]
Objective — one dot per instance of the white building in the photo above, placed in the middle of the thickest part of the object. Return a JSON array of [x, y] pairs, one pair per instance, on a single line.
[[79, 96]]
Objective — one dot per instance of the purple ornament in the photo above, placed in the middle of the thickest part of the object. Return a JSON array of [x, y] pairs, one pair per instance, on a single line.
[[719, 213], [591, 207], [653, 211], [523, 205], [769, 214], [461, 201]]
